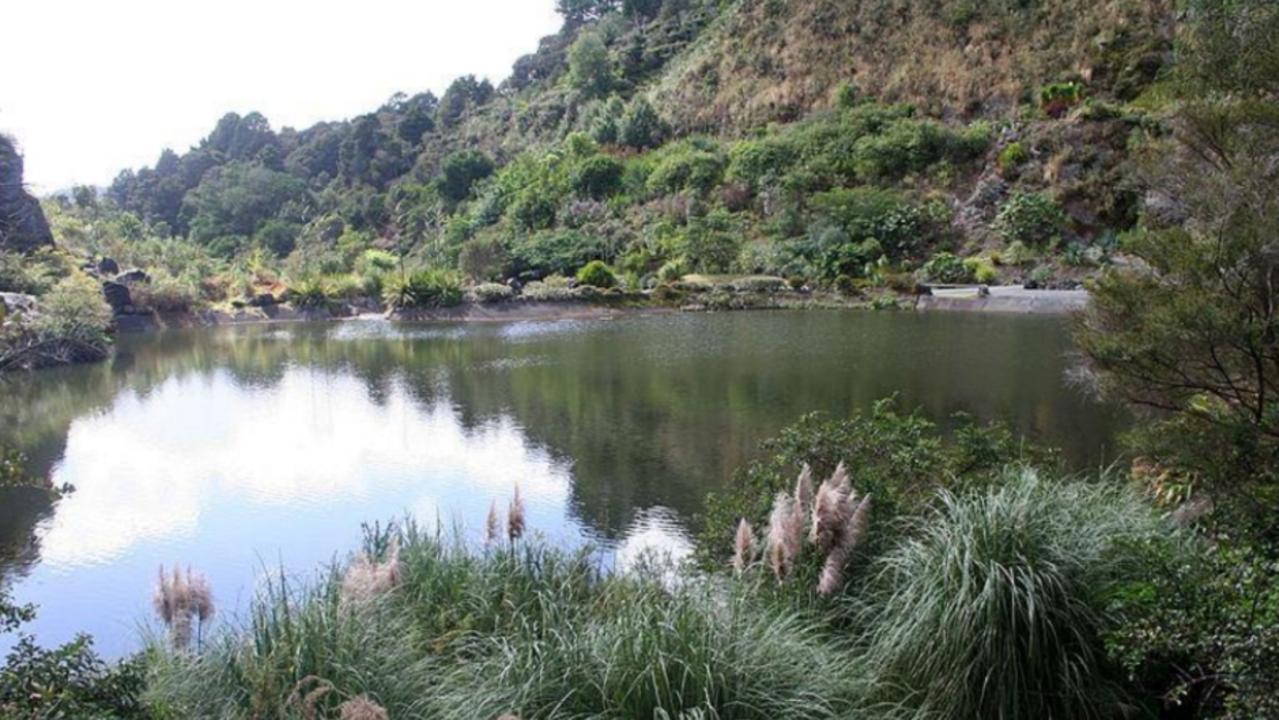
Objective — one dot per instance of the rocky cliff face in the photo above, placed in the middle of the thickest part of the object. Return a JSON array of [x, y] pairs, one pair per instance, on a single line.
[[22, 223]]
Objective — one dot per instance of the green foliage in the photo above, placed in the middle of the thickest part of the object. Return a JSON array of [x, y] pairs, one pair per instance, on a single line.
[[460, 171], [1031, 218], [710, 243], [597, 177], [995, 604], [74, 311], [521, 627], [1057, 98], [898, 457], [482, 258], [423, 289], [944, 267], [589, 69], [235, 200], [640, 126], [597, 274], [1013, 155], [33, 273], [1202, 632], [554, 252], [752, 161], [492, 293], [69, 681], [688, 165], [865, 212]]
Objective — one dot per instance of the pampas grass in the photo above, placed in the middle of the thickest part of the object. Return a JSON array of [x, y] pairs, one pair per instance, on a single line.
[[367, 579], [804, 489], [181, 599], [785, 536], [515, 516], [491, 524], [743, 546], [361, 707]]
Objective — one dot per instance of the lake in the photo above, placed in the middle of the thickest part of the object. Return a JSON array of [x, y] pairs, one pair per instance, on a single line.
[[241, 450]]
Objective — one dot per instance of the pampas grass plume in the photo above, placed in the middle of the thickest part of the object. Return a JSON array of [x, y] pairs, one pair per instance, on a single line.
[[491, 524], [785, 535], [804, 489], [743, 546], [515, 516], [361, 707]]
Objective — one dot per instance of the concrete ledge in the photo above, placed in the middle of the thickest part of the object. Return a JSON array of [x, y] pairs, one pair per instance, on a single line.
[[1005, 299]]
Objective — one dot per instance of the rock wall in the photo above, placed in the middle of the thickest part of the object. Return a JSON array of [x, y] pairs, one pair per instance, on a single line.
[[23, 227]]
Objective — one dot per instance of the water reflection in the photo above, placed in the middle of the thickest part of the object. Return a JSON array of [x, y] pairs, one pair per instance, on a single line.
[[237, 449]]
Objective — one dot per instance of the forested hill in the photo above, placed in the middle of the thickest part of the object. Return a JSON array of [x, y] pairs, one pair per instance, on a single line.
[[805, 138]]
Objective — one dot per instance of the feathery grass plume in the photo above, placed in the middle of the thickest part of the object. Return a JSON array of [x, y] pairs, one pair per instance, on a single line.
[[854, 529], [173, 604], [804, 489], [743, 546], [840, 480], [201, 594], [830, 514], [367, 579], [361, 707], [308, 702], [785, 535], [491, 524], [515, 516], [200, 603], [163, 600]]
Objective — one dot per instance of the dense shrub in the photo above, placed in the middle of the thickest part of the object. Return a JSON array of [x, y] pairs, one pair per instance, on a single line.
[[1201, 632], [491, 293], [596, 274], [944, 267], [710, 243], [1013, 155], [995, 604], [554, 252], [865, 212], [482, 257], [687, 166], [751, 161], [597, 178], [74, 311], [640, 126], [423, 289], [1031, 218]]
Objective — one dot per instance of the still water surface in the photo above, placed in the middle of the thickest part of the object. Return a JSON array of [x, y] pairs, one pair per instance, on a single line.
[[240, 450]]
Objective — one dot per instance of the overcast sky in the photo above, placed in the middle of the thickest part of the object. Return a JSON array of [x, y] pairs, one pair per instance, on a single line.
[[89, 87]]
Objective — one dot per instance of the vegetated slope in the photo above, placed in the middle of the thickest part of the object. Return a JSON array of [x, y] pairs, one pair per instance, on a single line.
[[776, 60], [823, 140]]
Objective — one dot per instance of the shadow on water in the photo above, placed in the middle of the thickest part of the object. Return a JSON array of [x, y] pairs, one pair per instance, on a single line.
[[263, 440]]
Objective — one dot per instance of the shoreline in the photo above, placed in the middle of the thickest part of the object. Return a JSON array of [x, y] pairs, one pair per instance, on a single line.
[[999, 300]]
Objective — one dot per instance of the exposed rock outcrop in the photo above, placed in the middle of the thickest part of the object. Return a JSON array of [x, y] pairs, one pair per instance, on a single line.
[[23, 227]]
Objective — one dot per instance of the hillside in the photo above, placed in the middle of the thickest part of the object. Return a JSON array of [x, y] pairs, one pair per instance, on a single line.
[[853, 145]]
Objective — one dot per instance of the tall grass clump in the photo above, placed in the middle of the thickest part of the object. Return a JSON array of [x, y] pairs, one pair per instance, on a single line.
[[648, 652], [300, 652], [995, 603]]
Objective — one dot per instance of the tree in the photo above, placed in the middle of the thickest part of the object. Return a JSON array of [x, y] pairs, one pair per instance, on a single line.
[[460, 171], [579, 12], [640, 126], [1190, 328], [589, 69], [462, 95]]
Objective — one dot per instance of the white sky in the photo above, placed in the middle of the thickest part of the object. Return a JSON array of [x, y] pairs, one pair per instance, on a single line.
[[90, 87]]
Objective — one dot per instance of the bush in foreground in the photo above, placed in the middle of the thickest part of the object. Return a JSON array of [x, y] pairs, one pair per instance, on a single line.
[[995, 605]]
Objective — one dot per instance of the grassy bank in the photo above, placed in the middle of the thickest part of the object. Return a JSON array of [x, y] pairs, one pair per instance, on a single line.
[[992, 602]]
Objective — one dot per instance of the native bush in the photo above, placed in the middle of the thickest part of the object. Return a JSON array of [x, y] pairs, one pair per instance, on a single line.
[[423, 289], [596, 274], [1031, 218]]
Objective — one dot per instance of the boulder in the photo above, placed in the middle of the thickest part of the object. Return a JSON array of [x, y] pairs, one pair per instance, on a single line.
[[117, 296], [23, 227], [133, 277], [107, 266], [263, 300]]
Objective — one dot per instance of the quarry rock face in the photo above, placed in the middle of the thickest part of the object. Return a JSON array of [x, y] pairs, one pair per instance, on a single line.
[[23, 227]]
